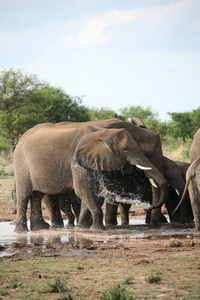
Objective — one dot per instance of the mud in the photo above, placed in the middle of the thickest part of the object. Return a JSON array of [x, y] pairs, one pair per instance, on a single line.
[[76, 242]]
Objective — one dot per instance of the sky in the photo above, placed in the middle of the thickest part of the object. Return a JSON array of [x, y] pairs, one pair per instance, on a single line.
[[111, 53]]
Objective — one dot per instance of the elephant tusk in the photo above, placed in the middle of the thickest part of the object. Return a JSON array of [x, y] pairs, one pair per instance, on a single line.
[[153, 183], [177, 192], [143, 168]]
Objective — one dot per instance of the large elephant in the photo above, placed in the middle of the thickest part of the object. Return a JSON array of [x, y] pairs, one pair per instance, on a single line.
[[51, 159], [150, 144], [175, 174]]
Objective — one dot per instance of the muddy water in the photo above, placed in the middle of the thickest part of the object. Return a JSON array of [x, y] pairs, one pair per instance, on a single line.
[[56, 241]]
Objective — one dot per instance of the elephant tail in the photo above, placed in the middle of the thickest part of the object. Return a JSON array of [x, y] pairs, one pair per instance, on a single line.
[[14, 193], [183, 195]]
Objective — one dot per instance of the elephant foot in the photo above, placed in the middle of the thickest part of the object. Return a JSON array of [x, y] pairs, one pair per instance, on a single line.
[[125, 224], [57, 225], [98, 227], [153, 224], [39, 225], [111, 223], [21, 227], [70, 226], [197, 227]]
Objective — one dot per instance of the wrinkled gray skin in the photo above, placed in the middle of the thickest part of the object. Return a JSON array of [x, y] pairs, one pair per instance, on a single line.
[[193, 186], [193, 179], [195, 147], [69, 155]]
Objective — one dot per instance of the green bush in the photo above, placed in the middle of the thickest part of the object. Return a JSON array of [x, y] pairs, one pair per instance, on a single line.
[[4, 146], [154, 277], [56, 286], [116, 293]]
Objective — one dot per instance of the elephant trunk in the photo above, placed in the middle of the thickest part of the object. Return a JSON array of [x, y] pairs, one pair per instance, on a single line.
[[152, 173], [164, 191]]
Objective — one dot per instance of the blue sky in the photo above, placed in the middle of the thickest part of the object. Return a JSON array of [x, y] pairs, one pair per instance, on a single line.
[[112, 53]]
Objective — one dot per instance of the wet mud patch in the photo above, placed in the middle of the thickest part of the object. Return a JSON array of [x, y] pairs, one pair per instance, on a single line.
[[77, 242]]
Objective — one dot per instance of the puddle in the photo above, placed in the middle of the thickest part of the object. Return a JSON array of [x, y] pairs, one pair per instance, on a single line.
[[71, 242]]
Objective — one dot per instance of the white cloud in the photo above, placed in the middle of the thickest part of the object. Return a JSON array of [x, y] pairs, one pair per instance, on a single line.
[[93, 32]]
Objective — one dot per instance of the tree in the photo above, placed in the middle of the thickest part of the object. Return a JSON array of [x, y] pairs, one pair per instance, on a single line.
[[17, 91], [181, 125], [103, 113], [57, 106], [25, 102], [195, 115], [138, 112]]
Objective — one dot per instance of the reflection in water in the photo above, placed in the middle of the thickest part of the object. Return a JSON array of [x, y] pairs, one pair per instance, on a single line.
[[64, 240]]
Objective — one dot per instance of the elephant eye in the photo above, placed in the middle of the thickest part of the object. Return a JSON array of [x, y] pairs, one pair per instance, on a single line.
[[125, 148]]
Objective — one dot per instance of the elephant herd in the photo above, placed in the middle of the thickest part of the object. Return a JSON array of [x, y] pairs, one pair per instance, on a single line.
[[75, 167]]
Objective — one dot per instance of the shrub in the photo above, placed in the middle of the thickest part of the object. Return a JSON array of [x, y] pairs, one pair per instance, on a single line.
[[56, 286], [116, 293], [154, 277]]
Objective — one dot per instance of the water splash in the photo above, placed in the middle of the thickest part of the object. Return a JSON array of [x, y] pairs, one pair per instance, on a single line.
[[113, 198]]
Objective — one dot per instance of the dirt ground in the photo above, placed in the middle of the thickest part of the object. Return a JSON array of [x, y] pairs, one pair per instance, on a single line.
[[93, 262]]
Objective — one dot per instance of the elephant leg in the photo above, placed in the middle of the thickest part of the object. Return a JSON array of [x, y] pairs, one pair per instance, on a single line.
[[85, 217], [21, 223], [111, 214], [124, 211], [23, 195], [65, 206], [194, 192], [52, 205], [84, 186], [36, 219]]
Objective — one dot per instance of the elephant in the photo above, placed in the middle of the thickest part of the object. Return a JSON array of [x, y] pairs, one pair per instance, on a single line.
[[53, 159], [174, 173], [147, 140], [150, 144], [193, 187], [63, 202], [195, 147], [192, 180]]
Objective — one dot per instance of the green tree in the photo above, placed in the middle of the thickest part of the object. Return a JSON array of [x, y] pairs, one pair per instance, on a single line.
[[25, 101], [195, 115], [17, 91], [181, 126], [57, 106], [138, 112], [103, 113]]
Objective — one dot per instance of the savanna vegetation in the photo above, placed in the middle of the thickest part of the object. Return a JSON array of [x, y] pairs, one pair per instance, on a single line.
[[25, 101], [123, 269]]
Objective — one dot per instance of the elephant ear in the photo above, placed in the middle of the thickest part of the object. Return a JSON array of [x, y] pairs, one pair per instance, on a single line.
[[94, 151]]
